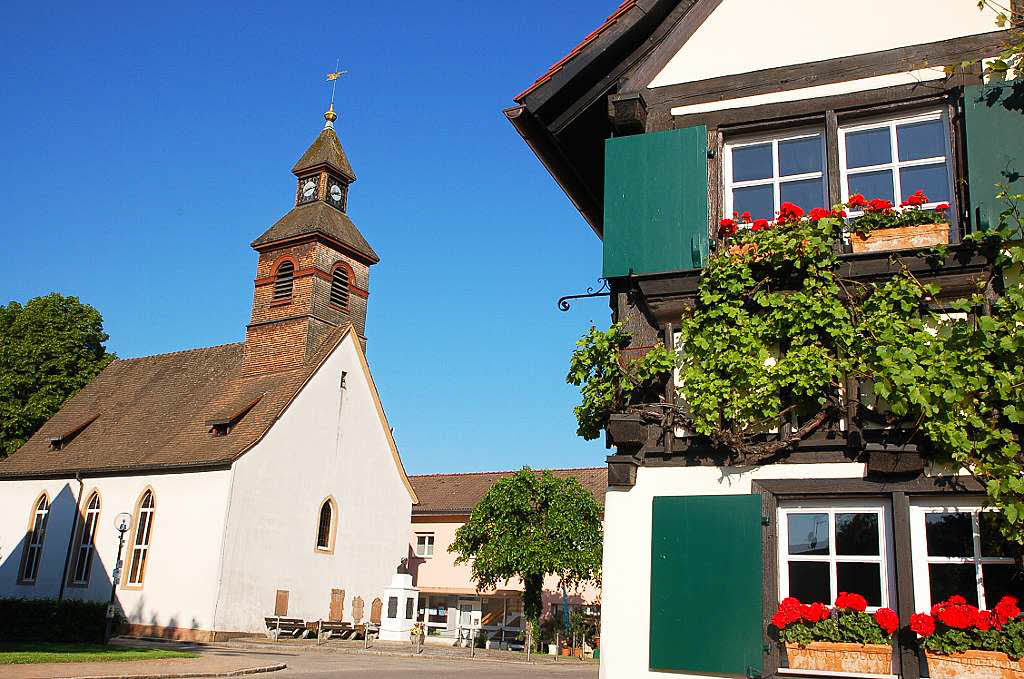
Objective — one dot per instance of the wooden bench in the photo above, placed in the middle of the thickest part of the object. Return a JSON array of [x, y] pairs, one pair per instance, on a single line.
[[330, 629], [278, 626]]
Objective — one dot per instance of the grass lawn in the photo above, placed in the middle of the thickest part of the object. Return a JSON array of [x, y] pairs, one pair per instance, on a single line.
[[20, 653]]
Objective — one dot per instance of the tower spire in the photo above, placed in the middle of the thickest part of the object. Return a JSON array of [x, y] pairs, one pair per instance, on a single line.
[[332, 78]]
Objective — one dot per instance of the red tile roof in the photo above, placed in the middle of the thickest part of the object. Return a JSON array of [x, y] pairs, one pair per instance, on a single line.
[[623, 8], [459, 493]]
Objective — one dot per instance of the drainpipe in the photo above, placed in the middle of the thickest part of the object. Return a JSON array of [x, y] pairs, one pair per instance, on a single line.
[[71, 536]]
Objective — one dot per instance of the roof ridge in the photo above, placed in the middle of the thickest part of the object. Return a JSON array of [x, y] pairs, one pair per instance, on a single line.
[[180, 351], [507, 471]]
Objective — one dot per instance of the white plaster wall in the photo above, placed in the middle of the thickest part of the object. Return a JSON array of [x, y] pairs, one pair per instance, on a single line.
[[275, 501], [625, 605], [749, 35], [181, 574]]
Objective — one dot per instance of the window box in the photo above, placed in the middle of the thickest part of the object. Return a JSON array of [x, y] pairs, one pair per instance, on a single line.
[[974, 665], [901, 238], [826, 656]]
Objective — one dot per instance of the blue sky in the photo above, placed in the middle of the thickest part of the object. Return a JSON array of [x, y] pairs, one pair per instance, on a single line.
[[145, 146]]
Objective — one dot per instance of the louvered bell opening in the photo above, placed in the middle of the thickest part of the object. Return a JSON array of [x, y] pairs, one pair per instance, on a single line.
[[339, 288], [283, 282]]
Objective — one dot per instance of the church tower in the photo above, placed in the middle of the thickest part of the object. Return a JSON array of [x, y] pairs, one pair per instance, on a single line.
[[314, 265]]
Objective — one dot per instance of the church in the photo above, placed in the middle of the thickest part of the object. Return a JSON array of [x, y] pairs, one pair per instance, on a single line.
[[252, 479]]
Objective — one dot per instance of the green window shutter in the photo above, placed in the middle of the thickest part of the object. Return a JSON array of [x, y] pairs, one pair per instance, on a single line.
[[995, 147], [706, 585], [656, 202]]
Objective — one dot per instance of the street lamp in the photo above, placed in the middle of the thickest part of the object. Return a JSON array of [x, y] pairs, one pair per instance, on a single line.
[[121, 524]]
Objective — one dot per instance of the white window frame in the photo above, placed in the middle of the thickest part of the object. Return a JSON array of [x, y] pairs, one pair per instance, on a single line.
[[87, 542], [895, 164], [427, 551], [831, 507], [141, 540], [775, 180], [919, 546], [37, 537]]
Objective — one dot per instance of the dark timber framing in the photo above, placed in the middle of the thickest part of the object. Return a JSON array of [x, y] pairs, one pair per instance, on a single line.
[[898, 492]]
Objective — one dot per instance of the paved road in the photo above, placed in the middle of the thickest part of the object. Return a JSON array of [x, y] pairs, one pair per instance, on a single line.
[[323, 665]]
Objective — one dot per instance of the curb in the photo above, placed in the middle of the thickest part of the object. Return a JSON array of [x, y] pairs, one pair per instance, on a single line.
[[189, 675]]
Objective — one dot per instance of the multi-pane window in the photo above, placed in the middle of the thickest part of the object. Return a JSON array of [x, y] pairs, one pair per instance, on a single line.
[[324, 526], [35, 538], [839, 547], [892, 159], [761, 174], [283, 281], [425, 545], [140, 545], [87, 542], [959, 550]]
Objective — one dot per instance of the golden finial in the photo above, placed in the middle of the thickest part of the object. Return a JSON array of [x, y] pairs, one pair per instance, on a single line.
[[332, 78]]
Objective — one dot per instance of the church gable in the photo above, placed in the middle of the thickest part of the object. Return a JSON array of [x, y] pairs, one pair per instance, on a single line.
[[741, 36]]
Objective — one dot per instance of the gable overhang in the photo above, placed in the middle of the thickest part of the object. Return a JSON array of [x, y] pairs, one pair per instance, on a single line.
[[563, 116]]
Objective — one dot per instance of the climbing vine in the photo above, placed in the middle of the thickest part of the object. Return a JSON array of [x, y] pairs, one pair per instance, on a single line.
[[779, 333]]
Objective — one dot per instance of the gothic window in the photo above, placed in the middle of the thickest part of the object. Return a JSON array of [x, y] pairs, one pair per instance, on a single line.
[[325, 528], [339, 286], [283, 281], [87, 541], [141, 539], [34, 539]]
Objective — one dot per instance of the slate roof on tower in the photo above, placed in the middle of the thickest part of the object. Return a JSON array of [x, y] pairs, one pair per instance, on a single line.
[[319, 218], [326, 150], [459, 493]]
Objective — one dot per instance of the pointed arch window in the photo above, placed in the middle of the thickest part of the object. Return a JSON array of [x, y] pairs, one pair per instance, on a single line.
[[283, 279], [339, 286], [34, 540], [327, 521], [87, 541], [143, 533]]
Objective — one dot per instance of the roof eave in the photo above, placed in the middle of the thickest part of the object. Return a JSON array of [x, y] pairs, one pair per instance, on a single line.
[[547, 149]]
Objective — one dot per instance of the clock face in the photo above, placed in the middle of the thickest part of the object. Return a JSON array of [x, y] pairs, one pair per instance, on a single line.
[[336, 193], [308, 187]]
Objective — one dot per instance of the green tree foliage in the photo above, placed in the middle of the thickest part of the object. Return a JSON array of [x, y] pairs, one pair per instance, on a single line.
[[610, 384], [530, 525], [49, 349]]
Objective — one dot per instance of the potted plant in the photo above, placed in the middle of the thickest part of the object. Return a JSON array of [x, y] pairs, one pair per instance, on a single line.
[[961, 641], [845, 638], [416, 633], [883, 227]]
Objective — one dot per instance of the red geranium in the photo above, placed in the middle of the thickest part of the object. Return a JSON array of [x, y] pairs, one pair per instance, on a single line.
[[818, 213], [1006, 610], [727, 228], [983, 621], [788, 212], [856, 201], [958, 616], [816, 612], [923, 624], [790, 611], [942, 207], [760, 225], [878, 205], [887, 620], [853, 602], [745, 218], [917, 198], [838, 213]]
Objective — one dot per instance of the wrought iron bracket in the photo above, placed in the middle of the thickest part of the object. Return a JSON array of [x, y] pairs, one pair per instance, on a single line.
[[603, 291]]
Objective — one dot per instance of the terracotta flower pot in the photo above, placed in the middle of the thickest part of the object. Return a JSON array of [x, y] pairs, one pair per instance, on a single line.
[[838, 657], [974, 665], [901, 238], [567, 652]]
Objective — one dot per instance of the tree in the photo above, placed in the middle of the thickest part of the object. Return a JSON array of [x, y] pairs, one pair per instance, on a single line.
[[530, 525], [49, 349]]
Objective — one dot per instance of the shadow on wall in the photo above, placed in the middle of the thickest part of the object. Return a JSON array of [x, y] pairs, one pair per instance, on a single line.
[[414, 565], [50, 552]]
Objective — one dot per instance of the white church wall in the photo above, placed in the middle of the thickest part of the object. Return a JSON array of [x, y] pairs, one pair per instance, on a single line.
[[180, 582], [751, 35], [625, 599], [277, 492]]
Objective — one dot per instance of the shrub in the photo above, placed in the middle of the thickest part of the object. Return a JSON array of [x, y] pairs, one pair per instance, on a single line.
[[51, 620]]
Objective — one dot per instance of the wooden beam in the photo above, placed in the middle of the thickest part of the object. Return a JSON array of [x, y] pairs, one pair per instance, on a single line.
[[695, 14], [829, 71]]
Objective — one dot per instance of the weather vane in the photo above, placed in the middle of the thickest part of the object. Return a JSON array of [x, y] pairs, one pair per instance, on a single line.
[[333, 79]]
